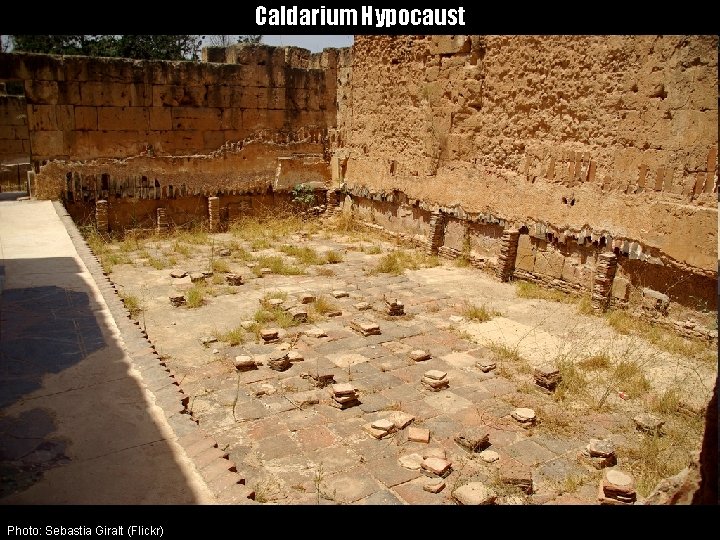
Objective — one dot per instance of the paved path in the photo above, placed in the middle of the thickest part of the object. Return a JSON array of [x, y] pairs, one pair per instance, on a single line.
[[77, 423]]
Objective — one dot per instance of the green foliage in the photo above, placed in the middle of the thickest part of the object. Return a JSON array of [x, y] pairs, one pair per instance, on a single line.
[[303, 194], [138, 46]]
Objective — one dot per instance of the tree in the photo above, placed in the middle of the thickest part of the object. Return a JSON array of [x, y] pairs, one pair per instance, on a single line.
[[143, 47], [225, 41]]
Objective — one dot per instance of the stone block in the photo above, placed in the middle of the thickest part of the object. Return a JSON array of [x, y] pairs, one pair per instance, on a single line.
[[160, 119], [525, 259], [473, 494], [122, 118], [549, 263], [437, 466], [193, 118], [621, 289], [42, 118]]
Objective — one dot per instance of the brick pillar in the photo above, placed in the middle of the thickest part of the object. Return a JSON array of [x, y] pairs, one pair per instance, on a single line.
[[162, 223], [508, 254], [214, 211], [101, 216], [437, 232], [603, 280], [332, 202]]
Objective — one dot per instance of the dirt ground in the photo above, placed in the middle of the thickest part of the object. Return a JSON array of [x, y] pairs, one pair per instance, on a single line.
[[294, 447]]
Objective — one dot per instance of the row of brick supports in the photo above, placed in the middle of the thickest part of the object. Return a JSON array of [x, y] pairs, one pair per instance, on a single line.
[[103, 225], [602, 281]]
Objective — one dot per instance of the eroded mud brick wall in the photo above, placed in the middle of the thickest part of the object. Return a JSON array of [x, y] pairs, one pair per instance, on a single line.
[[120, 128], [584, 143]]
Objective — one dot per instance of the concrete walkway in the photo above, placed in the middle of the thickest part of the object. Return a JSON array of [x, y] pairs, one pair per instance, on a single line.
[[78, 424]]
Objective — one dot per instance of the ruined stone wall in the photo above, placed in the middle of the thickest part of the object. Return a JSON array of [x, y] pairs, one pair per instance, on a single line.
[[82, 108], [606, 142], [14, 136]]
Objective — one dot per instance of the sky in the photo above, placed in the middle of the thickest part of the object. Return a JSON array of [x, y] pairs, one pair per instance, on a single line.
[[314, 43]]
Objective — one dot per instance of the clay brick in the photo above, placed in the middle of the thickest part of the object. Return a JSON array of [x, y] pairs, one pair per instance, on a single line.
[[86, 118], [123, 118]]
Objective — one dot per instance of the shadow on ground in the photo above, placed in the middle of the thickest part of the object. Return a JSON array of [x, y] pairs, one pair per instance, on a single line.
[[75, 425]]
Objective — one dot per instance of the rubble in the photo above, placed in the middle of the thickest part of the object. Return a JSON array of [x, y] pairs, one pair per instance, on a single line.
[[234, 279], [434, 485], [394, 308], [547, 376], [306, 298], [599, 453], [319, 380], [340, 294], [316, 333], [196, 277], [473, 494], [435, 380], [270, 335], [177, 300], [299, 314], [362, 306], [344, 396], [419, 355], [279, 361], [616, 488], [489, 456], [486, 365], [438, 466], [244, 363], [473, 439], [364, 327], [524, 415], [207, 340], [178, 274], [648, 423]]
